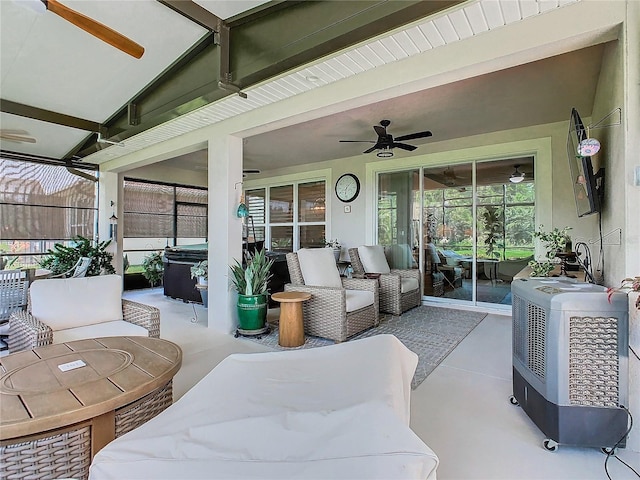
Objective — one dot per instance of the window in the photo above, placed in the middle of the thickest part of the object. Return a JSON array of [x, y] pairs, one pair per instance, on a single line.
[[41, 204], [288, 216], [161, 214]]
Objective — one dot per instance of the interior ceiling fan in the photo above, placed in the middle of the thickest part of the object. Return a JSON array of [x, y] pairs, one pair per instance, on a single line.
[[385, 142], [247, 171], [88, 24], [17, 136], [448, 177]]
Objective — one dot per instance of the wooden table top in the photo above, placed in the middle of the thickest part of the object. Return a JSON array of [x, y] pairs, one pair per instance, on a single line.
[[288, 297], [35, 395]]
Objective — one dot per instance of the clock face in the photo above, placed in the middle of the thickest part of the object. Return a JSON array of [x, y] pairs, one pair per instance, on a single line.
[[347, 187]]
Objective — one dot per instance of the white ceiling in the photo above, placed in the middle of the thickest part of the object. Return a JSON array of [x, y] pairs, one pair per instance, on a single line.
[[51, 64], [39, 66]]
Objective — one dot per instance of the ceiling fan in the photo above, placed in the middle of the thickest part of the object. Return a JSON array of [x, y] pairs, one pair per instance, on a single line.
[[247, 171], [448, 177], [17, 136], [385, 142], [87, 24]]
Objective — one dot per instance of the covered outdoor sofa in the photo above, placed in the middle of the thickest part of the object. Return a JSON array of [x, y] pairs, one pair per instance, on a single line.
[[335, 412]]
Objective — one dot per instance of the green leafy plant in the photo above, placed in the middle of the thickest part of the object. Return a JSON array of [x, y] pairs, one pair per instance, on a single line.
[[200, 269], [252, 279], [494, 228], [153, 268], [554, 241], [62, 258], [540, 269], [4, 263]]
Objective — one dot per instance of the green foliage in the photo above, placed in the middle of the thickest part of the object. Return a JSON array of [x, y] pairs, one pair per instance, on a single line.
[[493, 229], [61, 258], [200, 269], [252, 279], [540, 269], [7, 264], [554, 241], [125, 263], [153, 268]]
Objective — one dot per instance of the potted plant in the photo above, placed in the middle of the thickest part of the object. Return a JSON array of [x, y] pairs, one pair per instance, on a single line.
[[251, 283], [153, 268], [335, 245], [62, 258], [200, 271], [555, 241]]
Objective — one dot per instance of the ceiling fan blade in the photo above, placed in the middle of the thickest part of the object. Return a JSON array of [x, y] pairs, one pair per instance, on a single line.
[[381, 131], [442, 180], [250, 170], [95, 28], [403, 146], [412, 136], [82, 174], [369, 150], [10, 137]]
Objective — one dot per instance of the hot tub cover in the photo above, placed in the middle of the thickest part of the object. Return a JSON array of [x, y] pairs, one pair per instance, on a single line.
[[339, 412]]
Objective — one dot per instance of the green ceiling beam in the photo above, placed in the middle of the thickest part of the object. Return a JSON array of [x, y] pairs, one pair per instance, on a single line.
[[262, 44]]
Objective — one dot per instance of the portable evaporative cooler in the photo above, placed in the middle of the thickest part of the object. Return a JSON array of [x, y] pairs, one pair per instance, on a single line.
[[570, 360]]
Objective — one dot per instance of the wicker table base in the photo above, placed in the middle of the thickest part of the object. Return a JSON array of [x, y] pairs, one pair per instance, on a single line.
[[58, 439]]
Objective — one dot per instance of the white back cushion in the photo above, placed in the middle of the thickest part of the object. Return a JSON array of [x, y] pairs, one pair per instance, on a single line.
[[373, 259], [74, 302], [318, 266]]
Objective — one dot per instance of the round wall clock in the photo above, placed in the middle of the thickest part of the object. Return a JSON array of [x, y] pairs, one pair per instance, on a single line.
[[347, 187]]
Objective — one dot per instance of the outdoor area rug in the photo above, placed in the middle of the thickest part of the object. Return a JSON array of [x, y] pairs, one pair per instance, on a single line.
[[431, 332]]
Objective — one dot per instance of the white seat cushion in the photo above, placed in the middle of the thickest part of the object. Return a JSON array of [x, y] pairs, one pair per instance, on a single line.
[[408, 284], [63, 303], [118, 328], [373, 259], [357, 299], [318, 266]]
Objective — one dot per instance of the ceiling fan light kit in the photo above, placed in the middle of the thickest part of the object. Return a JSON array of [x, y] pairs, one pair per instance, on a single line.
[[384, 153], [517, 176]]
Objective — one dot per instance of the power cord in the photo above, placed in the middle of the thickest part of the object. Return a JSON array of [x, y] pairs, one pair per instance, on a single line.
[[586, 264], [612, 452]]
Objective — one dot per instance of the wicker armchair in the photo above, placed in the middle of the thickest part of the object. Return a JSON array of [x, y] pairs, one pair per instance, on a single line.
[[27, 331], [325, 314], [399, 289]]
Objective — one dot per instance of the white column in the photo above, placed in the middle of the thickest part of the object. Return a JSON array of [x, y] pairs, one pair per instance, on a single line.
[[110, 191], [225, 229]]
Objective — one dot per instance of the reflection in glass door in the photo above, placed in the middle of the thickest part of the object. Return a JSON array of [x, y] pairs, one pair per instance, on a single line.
[[448, 231], [399, 217], [473, 247]]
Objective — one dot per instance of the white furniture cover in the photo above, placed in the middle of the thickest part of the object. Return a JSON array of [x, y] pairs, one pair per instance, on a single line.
[[335, 412]]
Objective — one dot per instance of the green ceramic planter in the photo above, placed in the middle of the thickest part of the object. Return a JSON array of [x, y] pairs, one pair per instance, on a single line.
[[252, 312]]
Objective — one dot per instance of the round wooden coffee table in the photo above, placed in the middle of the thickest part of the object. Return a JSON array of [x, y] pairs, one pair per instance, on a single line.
[[291, 326], [53, 420]]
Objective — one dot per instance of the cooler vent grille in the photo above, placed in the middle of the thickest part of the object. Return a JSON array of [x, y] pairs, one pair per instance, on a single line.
[[519, 321], [536, 336], [593, 361]]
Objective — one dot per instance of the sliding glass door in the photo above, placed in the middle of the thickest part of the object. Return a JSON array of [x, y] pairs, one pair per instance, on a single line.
[[470, 226]]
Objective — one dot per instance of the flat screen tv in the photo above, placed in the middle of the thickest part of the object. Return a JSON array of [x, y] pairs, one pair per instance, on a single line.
[[588, 187]]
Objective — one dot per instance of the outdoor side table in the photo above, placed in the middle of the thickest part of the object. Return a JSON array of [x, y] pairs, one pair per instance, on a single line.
[[291, 326]]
